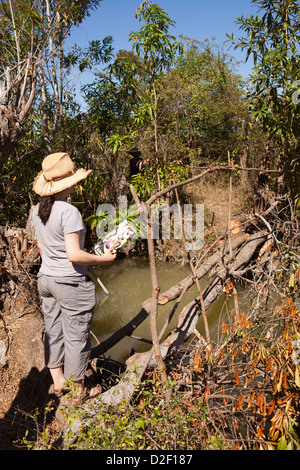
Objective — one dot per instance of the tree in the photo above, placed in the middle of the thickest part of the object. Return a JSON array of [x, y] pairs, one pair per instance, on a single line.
[[112, 99], [272, 40], [112, 96], [158, 50], [203, 103], [31, 36]]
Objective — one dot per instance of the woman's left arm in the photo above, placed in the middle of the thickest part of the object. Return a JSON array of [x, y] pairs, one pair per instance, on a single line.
[[40, 248], [77, 255]]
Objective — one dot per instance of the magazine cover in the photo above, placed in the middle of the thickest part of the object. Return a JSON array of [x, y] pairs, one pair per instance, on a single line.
[[114, 240]]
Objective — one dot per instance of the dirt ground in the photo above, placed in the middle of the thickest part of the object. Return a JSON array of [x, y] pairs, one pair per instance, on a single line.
[[218, 202], [22, 370]]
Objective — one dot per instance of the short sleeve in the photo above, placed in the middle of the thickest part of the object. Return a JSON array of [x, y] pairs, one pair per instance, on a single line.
[[72, 220]]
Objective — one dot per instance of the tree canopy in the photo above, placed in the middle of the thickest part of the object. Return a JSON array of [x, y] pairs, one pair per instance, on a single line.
[[180, 102]]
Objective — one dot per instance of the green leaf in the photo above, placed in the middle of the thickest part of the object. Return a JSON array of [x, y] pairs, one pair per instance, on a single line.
[[292, 280], [282, 444], [140, 423]]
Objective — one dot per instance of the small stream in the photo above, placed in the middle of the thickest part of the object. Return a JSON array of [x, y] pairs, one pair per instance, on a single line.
[[129, 284]]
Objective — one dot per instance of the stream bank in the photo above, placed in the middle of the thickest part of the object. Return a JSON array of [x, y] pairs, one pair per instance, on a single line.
[[22, 370], [18, 278]]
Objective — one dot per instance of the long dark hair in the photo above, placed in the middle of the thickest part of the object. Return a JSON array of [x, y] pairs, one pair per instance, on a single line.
[[45, 207]]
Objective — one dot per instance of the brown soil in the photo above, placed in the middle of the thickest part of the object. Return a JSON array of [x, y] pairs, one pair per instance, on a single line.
[[215, 195], [22, 372]]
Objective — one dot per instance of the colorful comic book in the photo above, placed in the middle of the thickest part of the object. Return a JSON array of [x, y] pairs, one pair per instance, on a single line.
[[115, 239]]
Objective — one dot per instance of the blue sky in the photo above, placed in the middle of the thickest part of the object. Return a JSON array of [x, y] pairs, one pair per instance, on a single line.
[[196, 19]]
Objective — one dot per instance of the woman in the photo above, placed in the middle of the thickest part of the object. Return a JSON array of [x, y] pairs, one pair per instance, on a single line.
[[67, 293]]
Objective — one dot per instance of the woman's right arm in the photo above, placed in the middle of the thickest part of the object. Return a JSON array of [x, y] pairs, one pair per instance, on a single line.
[[77, 255]]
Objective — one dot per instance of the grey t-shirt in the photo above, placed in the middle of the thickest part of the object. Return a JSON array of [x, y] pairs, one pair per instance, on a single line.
[[64, 218]]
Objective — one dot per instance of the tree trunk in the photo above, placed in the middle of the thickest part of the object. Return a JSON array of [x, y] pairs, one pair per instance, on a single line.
[[14, 115], [10, 130], [262, 198], [243, 163]]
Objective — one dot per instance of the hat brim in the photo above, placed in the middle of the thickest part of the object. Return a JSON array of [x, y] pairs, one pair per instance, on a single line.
[[48, 188]]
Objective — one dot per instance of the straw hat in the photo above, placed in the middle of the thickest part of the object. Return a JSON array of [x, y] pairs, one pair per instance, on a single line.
[[58, 173]]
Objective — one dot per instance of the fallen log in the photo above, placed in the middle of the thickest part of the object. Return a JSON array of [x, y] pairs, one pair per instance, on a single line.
[[171, 294], [187, 321], [188, 318]]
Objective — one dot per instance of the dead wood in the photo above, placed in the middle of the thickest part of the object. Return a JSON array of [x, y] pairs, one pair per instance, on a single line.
[[206, 171], [188, 318], [171, 294], [187, 321]]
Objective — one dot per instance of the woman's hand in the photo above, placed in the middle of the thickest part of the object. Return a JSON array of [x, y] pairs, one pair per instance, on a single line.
[[108, 258]]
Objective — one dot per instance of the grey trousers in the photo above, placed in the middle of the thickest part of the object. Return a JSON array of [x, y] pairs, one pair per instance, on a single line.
[[68, 307]]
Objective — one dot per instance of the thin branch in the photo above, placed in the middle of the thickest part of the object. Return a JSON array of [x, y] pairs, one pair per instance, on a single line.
[[53, 71], [207, 170], [155, 293], [203, 309], [15, 31]]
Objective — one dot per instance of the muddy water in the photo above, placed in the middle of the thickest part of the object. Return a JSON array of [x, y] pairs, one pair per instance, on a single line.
[[129, 284]]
